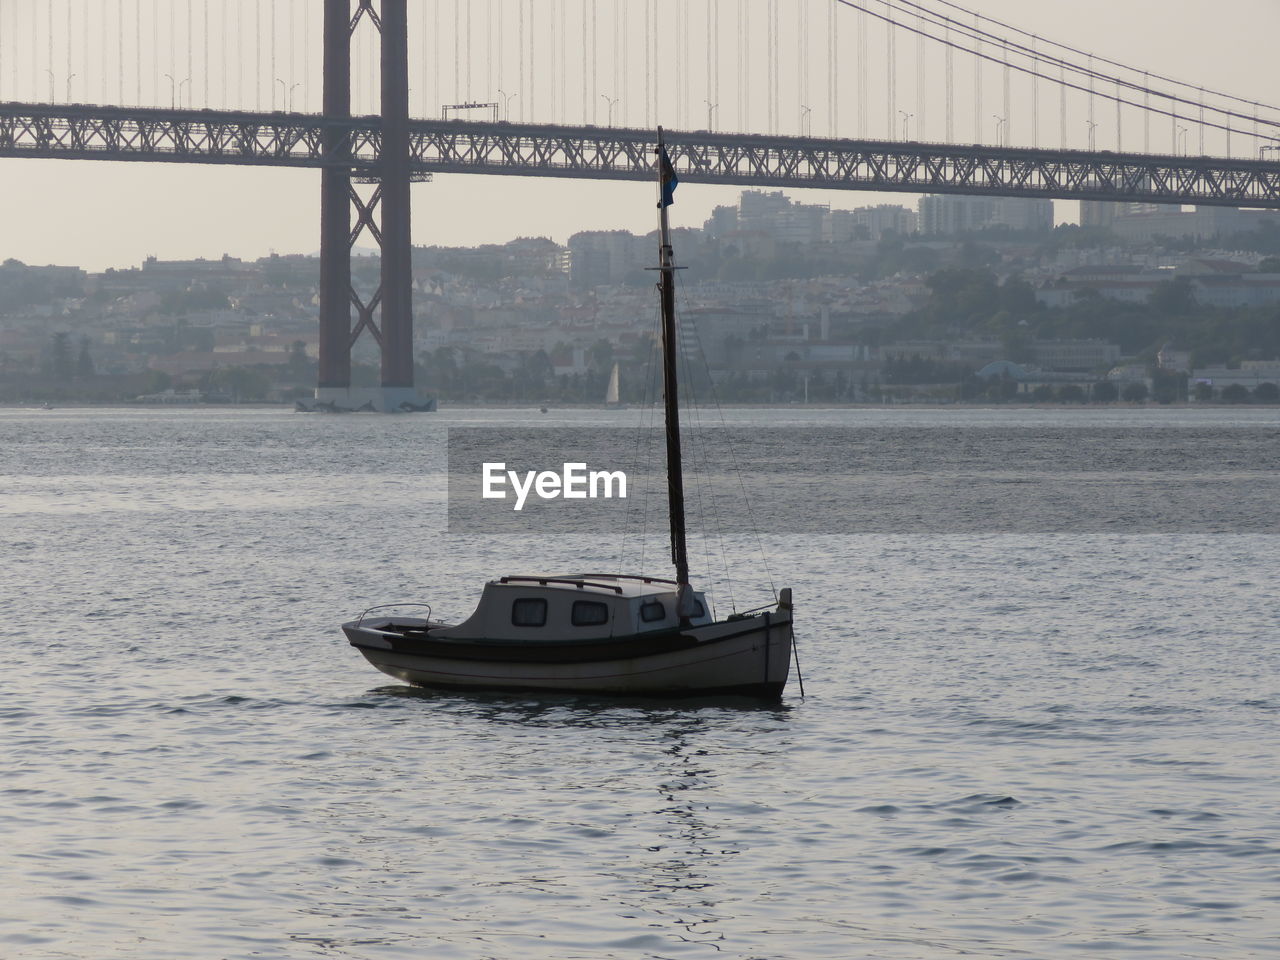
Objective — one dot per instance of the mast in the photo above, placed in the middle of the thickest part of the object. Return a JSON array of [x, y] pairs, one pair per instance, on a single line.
[[675, 474]]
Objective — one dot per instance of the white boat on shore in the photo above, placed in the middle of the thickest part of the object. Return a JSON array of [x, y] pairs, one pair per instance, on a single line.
[[596, 633]]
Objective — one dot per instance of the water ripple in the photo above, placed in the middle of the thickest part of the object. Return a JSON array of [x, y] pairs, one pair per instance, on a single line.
[[1038, 747]]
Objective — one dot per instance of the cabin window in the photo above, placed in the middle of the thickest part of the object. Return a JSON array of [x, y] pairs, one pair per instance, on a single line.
[[589, 613], [529, 612], [652, 610]]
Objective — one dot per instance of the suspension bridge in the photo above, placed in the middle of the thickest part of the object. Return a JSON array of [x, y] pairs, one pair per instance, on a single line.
[[878, 95]]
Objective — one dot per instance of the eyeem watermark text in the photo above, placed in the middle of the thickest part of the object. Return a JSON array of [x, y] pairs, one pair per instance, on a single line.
[[573, 482]]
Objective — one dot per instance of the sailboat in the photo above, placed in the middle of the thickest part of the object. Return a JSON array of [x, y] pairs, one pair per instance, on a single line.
[[598, 633], [611, 392]]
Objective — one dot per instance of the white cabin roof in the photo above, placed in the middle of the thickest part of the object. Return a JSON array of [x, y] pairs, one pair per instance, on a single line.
[[604, 584], [579, 606]]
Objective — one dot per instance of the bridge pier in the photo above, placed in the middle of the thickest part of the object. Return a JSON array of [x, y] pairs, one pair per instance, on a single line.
[[390, 200], [335, 206], [397, 242]]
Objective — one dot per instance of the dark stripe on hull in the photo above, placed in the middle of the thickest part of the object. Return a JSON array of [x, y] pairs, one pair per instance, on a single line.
[[589, 651]]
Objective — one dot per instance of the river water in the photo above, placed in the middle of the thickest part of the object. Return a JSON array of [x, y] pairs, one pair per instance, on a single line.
[[1021, 743]]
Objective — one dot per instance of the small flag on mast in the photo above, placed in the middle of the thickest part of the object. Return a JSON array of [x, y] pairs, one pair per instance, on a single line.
[[669, 179]]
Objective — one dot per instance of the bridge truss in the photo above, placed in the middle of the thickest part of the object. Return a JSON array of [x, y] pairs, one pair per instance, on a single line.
[[457, 146]]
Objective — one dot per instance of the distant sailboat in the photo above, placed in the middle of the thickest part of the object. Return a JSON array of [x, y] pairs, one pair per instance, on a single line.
[[611, 394]]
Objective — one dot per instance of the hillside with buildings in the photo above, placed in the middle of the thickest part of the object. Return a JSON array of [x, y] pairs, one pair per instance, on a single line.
[[961, 298]]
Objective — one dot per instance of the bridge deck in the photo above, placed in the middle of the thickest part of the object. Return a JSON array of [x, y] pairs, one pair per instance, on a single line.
[[85, 132]]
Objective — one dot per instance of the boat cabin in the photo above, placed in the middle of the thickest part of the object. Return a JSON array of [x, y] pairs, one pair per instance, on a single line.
[[573, 607]]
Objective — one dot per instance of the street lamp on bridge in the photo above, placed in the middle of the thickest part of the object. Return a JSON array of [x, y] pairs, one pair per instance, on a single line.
[[52, 78], [906, 123], [1000, 124], [506, 103], [286, 94], [175, 89], [1092, 127], [611, 101], [711, 108]]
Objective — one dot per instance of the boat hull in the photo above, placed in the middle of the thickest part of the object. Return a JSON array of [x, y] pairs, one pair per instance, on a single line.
[[748, 656]]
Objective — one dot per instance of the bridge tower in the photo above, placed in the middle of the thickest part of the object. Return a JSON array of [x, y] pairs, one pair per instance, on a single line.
[[384, 214]]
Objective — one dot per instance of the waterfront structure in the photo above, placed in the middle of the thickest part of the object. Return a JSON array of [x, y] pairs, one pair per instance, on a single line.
[[1251, 374]]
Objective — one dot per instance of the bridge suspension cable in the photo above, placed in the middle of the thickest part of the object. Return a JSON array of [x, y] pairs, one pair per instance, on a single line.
[[1086, 74], [1112, 63]]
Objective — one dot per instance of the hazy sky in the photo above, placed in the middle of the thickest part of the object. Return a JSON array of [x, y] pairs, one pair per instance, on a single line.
[[99, 214]]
